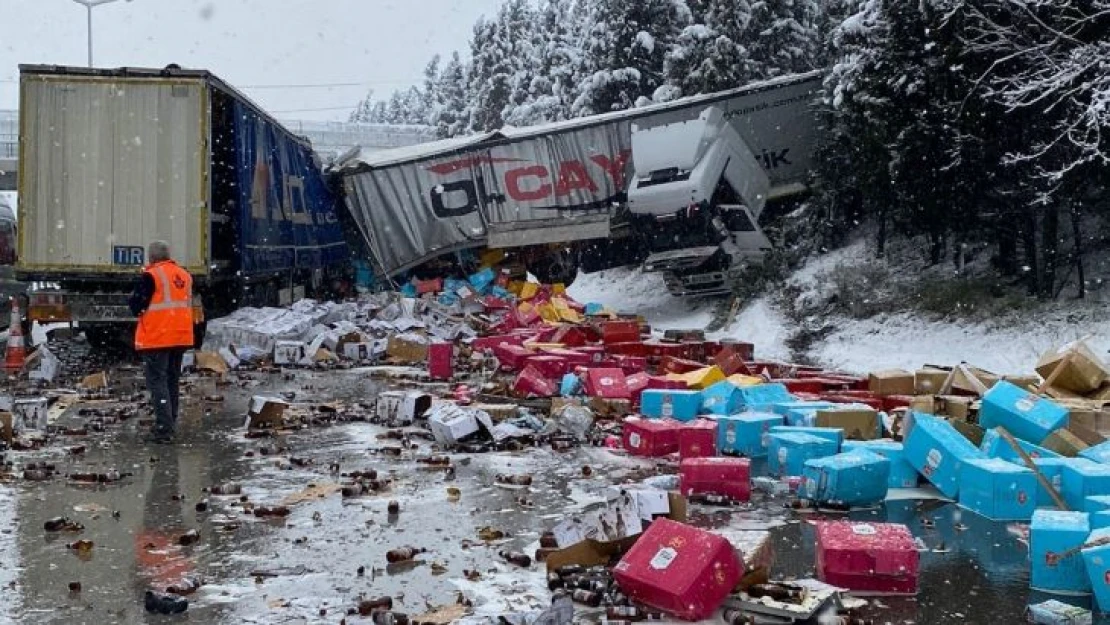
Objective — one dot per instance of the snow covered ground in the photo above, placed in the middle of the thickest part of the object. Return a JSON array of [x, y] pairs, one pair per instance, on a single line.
[[1004, 345]]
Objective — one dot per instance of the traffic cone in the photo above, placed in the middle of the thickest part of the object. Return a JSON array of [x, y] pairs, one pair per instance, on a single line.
[[17, 351]]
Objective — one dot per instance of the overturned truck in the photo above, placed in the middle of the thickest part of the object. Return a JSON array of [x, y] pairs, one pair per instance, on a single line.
[[680, 186]]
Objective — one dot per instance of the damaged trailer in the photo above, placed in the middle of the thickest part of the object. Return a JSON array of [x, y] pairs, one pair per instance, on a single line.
[[685, 180]]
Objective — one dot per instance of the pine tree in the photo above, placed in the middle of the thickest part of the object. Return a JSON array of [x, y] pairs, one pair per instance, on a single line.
[[556, 50], [450, 113], [429, 97], [709, 55], [782, 36], [624, 52]]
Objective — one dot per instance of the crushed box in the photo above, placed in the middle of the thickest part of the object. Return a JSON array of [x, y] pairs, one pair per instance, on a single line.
[[722, 398], [697, 439], [682, 405], [606, 383], [995, 446], [789, 451], [763, 397], [1023, 414], [1052, 533], [854, 478], [998, 490], [938, 452], [902, 474], [681, 570], [867, 558], [728, 477], [746, 434], [1083, 371], [531, 383]]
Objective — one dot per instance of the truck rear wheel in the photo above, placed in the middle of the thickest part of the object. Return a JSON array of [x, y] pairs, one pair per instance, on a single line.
[[556, 268]]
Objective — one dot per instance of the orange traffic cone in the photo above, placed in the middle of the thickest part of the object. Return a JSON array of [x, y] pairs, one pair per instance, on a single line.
[[17, 351]]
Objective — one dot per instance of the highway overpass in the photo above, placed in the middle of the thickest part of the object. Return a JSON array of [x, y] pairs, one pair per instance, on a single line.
[[330, 139]]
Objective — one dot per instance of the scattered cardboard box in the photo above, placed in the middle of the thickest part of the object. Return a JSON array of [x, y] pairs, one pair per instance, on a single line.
[[266, 412], [210, 361], [970, 431], [407, 349], [96, 380], [1065, 443], [402, 407], [859, 424], [31, 414], [929, 381], [1083, 371], [892, 382], [289, 352], [955, 406]]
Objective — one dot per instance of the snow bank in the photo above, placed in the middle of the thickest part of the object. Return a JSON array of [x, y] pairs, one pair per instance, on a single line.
[[628, 289], [764, 326]]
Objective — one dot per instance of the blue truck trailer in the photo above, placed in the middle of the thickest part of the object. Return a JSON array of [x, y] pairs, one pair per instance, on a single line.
[[111, 159]]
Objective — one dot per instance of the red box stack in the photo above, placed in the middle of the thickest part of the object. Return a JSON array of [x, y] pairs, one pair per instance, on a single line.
[[795, 385], [671, 364], [570, 336], [697, 439], [550, 366], [490, 342], [728, 477], [441, 361], [532, 383], [607, 384], [867, 558], [628, 349], [679, 569], [650, 437], [631, 364], [620, 332], [510, 356]]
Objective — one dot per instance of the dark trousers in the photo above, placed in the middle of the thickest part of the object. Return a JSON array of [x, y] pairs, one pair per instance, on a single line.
[[163, 372]]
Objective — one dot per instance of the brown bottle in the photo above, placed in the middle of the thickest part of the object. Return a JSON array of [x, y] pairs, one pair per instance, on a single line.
[[184, 586], [352, 490], [735, 617], [83, 477], [393, 507], [62, 524], [83, 546], [231, 488], [514, 480], [37, 475], [776, 592], [586, 597], [555, 581], [383, 617], [403, 554], [515, 557], [547, 541], [368, 606], [190, 537], [390, 451], [274, 511], [435, 460]]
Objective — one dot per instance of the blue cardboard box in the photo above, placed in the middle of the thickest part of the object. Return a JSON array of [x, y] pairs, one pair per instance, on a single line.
[[1099, 453], [902, 474], [996, 447], [722, 398], [1096, 503], [854, 478], [763, 397], [998, 490], [747, 434], [832, 434], [1097, 561], [1053, 532], [482, 280], [672, 404], [593, 308], [801, 413], [1027, 416], [788, 452], [570, 385], [1053, 471], [1100, 519], [1079, 480], [938, 452]]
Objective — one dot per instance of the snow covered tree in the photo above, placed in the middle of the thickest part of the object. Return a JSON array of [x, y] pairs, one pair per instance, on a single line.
[[624, 52], [431, 85], [450, 113], [502, 62], [709, 55], [556, 51], [783, 36]]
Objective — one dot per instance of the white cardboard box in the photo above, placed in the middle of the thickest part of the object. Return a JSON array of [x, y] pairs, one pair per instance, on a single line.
[[358, 351], [450, 423], [289, 352], [30, 415], [402, 407]]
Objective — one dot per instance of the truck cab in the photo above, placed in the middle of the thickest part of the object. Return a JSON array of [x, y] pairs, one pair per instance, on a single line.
[[698, 192]]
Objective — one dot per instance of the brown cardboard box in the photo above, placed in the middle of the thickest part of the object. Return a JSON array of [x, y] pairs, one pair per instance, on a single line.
[[891, 382], [210, 361], [859, 424], [970, 380], [1027, 382], [929, 381], [1088, 435], [924, 403], [96, 380], [1082, 412], [1064, 443], [266, 412], [6, 432], [956, 406], [1083, 373], [610, 408], [594, 552], [406, 351], [970, 431], [1103, 392]]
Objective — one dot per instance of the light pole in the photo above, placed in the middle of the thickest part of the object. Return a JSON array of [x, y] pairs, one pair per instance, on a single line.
[[89, 4]]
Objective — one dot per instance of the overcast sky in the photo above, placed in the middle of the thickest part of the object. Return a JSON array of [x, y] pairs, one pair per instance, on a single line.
[[379, 44]]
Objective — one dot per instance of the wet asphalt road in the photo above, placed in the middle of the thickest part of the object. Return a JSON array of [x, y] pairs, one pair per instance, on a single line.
[[309, 560]]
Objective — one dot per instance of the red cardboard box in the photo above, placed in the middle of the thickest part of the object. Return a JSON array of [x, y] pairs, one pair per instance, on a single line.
[[595, 352], [495, 303], [726, 476], [607, 384], [743, 349], [834, 385], [650, 437], [620, 332], [631, 364], [695, 350], [532, 383], [662, 349], [636, 383], [429, 286], [530, 318], [574, 357], [697, 439], [843, 398], [665, 384], [552, 367], [671, 364], [441, 361], [628, 349], [867, 558], [730, 362], [795, 385], [489, 342], [855, 383], [890, 402], [570, 336], [679, 569], [511, 356], [773, 369]]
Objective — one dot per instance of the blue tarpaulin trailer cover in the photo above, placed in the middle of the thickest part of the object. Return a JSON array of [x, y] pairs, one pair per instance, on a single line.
[[290, 219]]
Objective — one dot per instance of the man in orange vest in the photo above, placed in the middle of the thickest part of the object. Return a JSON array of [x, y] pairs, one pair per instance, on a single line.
[[163, 302]]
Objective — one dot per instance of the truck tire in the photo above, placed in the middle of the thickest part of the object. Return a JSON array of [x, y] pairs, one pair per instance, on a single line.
[[560, 268]]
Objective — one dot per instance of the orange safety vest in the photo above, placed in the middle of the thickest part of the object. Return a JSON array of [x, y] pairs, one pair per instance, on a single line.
[[168, 321]]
